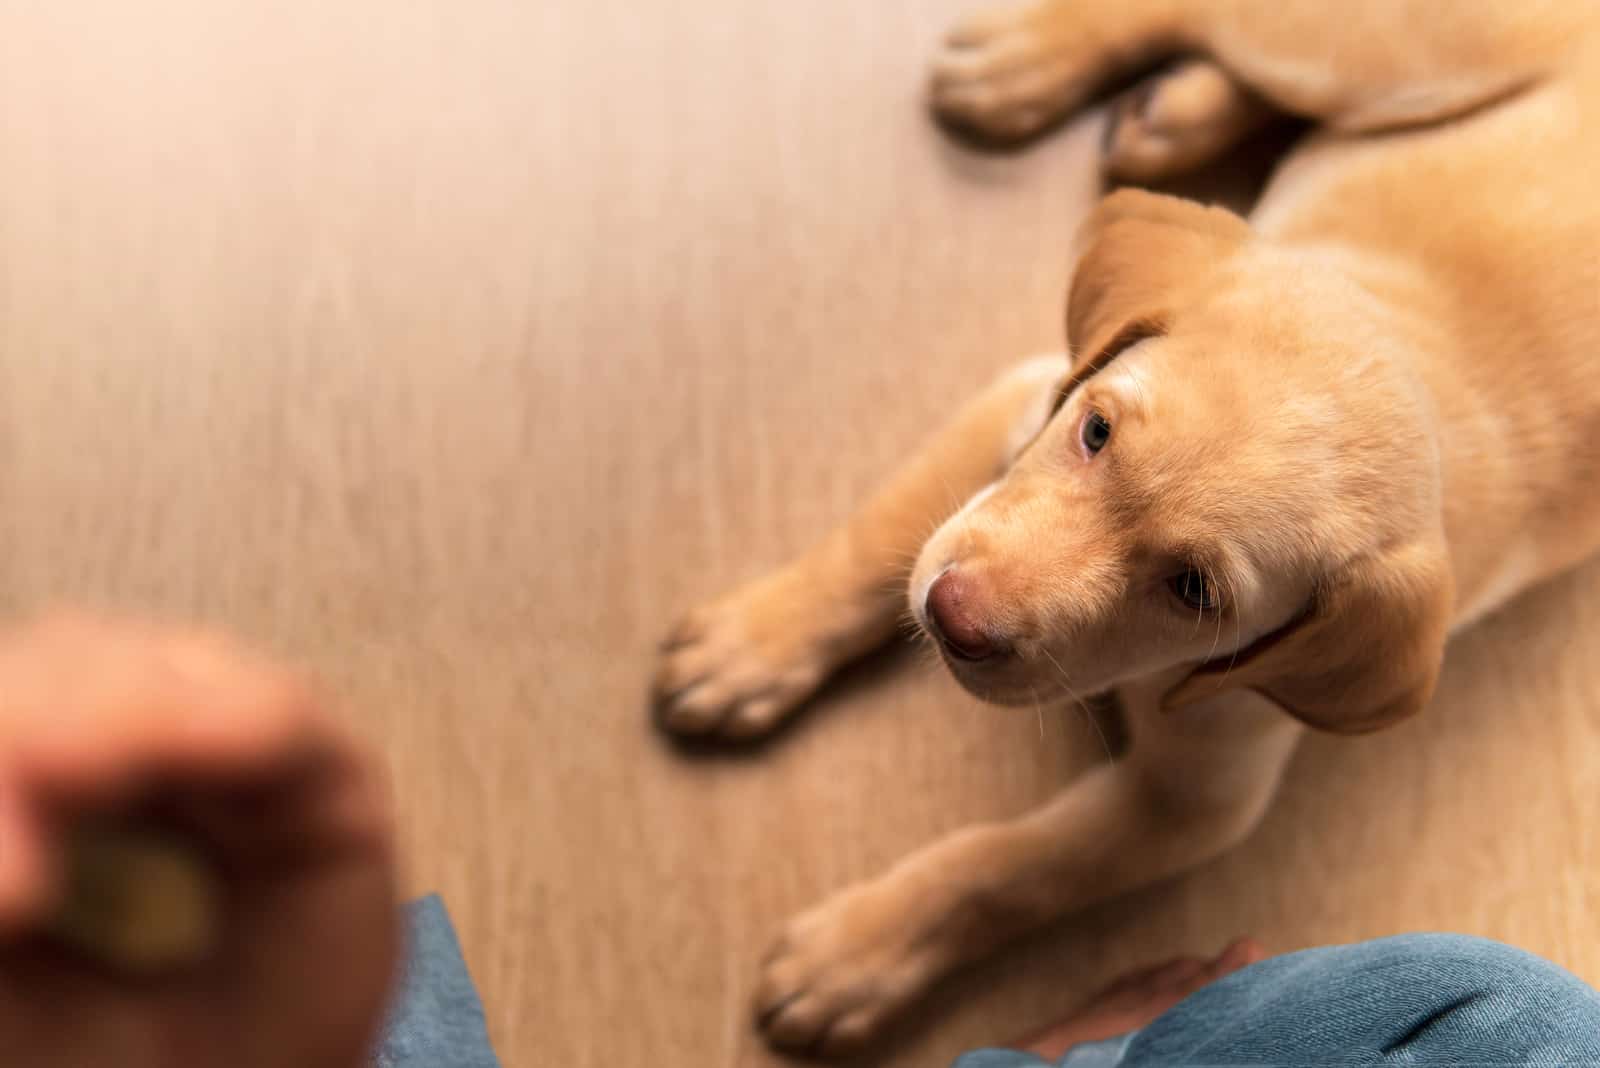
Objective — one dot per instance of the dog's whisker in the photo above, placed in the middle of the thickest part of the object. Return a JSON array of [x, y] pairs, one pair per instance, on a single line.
[[1083, 705], [1222, 599], [1238, 641], [1066, 681], [1105, 743]]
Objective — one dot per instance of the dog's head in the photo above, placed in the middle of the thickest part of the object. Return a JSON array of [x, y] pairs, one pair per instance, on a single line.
[[1239, 477]]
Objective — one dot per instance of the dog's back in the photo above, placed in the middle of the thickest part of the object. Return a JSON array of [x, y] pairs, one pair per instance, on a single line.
[[1485, 224]]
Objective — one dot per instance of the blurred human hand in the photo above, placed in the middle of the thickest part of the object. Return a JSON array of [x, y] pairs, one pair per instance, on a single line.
[[203, 740]]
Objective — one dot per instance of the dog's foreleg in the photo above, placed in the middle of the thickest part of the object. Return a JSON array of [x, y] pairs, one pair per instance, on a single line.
[[740, 664], [1193, 784]]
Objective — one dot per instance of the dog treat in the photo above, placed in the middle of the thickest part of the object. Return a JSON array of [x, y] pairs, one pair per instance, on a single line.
[[138, 901]]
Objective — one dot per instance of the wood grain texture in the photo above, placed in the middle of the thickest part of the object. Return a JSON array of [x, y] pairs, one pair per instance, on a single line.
[[450, 349]]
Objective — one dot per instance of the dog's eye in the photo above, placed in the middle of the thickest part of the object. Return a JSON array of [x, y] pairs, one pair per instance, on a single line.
[[1193, 590], [1096, 432]]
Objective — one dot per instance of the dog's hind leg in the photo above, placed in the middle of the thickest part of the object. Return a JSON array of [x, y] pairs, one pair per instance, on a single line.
[[1008, 72], [738, 665], [1370, 65]]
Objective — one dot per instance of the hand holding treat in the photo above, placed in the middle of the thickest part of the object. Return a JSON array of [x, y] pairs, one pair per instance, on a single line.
[[195, 862]]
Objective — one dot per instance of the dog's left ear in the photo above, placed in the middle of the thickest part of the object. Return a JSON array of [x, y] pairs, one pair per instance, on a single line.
[[1365, 654], [1139, 255]]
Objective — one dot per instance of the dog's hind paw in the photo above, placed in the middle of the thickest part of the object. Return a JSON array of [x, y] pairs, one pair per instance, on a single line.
[[1006, 74], [1177, 120]]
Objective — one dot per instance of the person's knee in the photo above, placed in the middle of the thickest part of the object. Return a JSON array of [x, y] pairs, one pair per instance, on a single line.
[[1410, 999], [1480, 963], [1432, 971], [1484, 999]]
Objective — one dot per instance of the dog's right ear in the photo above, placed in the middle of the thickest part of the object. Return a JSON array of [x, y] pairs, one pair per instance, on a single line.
[[1365, 654], [1139, 255]]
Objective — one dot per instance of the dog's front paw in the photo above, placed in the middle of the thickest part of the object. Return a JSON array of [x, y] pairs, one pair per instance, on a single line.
[[846, 967], [739, 665], [1007, 73]]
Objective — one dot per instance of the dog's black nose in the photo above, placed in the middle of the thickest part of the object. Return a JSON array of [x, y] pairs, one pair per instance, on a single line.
[[952, 616]]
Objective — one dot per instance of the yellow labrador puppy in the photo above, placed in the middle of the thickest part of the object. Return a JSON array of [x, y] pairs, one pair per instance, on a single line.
[[1287, 457]]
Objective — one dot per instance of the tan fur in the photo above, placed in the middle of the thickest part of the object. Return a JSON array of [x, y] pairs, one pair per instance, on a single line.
[[1368, 415]]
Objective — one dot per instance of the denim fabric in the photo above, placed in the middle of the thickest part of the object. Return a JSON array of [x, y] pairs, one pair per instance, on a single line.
[[1106, 1053], [437, 1019], [1425, 999], [999, 1058]]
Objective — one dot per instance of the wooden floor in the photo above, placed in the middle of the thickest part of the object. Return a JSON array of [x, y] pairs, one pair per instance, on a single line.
[[451, 348]]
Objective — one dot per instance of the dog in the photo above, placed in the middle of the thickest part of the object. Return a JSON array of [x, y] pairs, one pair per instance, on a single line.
[[1286, 457]]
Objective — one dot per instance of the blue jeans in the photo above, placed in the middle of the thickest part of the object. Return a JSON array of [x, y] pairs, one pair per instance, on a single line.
[[436, 1020], [1415, 999]]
